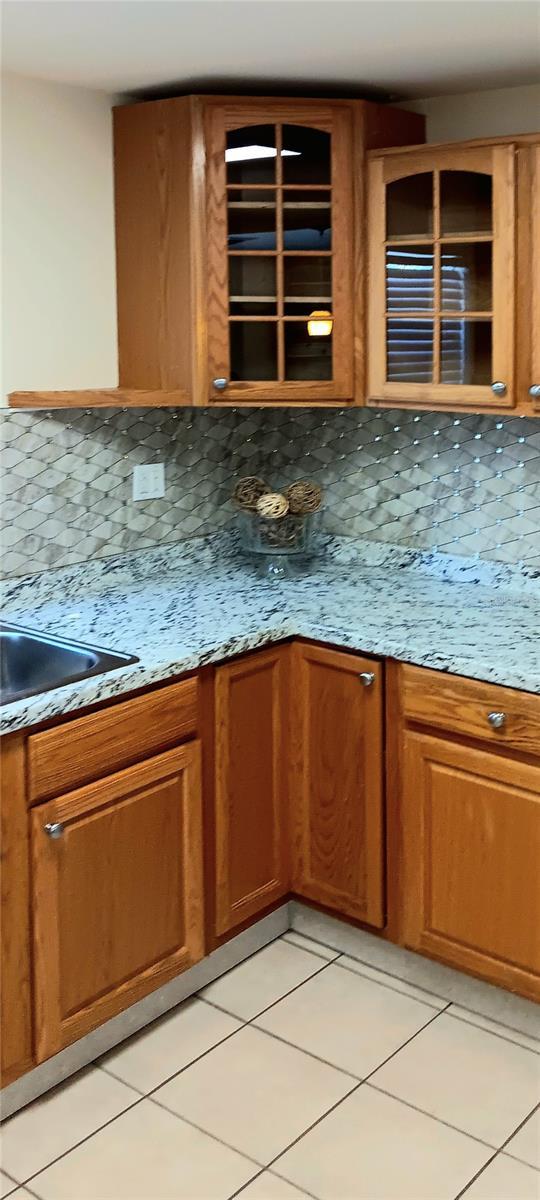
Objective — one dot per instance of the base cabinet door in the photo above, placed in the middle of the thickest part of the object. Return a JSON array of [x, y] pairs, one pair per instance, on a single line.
[[117, 893], [337, 781], [250, 786], [471, 828]]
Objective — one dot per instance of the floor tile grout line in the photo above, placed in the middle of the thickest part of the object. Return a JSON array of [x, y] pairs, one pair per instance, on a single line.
[[523, 1161], [34, 1175], [500, 1150], [213, 1136], [191, 1063], [425, 1113], [388, 986], [346, 1097], [495, 1033], [327, 1113], [439, 996], [307, 949], [293, 1046], [150, 1095], [255, 1017]]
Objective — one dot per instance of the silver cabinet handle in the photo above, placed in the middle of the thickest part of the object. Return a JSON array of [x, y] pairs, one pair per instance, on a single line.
[[498, 388], [220, 384], [497, 720], [367, 678], [54, 829], [534, 391]]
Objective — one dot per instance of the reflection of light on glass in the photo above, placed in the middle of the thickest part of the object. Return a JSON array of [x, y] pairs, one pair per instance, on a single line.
[[244, 153], [320, 323]]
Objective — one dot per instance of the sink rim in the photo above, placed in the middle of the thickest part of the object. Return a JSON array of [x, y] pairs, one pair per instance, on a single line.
[[107, 660]]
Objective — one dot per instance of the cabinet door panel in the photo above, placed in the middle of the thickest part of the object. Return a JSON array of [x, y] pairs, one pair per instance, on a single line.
[[117, 895], [337, 791], [472, 845], [280, 223], [250, 786], [442, 230]]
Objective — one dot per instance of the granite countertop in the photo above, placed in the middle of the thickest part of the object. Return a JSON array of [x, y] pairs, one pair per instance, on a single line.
[[201, 602]]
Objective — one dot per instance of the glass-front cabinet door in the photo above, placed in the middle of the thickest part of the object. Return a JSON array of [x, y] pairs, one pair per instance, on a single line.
[[280, 253], [441, 277]]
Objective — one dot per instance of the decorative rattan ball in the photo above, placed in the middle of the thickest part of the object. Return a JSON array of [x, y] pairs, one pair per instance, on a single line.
[[248, 491], [272, 506], [304, 497]]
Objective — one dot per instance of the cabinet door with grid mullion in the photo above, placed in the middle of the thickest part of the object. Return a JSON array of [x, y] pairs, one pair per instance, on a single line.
[[279, 230], [441, 273]]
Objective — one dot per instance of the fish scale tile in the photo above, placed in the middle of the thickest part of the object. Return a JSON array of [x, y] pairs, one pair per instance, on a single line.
[[465, 483]]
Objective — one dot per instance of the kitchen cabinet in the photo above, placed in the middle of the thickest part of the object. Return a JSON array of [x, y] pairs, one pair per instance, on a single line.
[[531, 312], [237, 219], [470, 816], [15, 954], [337, 781], [116, 893], [251, 786], [451, 237]]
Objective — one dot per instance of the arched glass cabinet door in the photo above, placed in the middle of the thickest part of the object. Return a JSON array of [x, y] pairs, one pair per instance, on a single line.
[[279, 235], [441, 274]]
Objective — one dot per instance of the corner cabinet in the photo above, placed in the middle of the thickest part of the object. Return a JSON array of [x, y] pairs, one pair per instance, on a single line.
[[532, 311], [442, 264], [280, 269], [337, 781], [240, 246]]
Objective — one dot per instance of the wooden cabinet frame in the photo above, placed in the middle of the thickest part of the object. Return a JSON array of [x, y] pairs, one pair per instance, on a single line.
[[337, 122], [59, 1021], [499, 161]]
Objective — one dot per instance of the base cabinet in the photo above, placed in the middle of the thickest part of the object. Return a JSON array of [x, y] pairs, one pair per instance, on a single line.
[[471, 895], [337, 781], [117, 893], [251, 857]]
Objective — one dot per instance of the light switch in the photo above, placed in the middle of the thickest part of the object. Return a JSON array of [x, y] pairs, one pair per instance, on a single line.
[[149, 481]]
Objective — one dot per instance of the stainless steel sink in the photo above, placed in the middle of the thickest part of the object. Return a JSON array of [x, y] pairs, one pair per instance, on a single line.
[[32, 662]]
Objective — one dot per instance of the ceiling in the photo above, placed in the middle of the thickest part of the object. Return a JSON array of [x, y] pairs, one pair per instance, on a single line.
[[407, 48]]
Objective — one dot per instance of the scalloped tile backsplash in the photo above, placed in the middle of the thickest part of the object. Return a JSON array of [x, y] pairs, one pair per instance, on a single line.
[[465, 484]]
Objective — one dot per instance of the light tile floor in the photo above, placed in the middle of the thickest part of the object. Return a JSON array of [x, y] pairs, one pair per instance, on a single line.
[[304, 1072]]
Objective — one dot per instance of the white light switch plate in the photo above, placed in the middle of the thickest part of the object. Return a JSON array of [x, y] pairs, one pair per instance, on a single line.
[[149, 481]]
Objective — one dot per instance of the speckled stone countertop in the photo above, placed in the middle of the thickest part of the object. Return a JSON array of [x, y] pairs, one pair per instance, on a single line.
[[200, 602]]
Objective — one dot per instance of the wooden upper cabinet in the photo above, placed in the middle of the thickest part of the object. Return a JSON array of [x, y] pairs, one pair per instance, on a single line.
[[442, 267], [532, 312], [117, 893], [236, 221], [336, 808], [280, 233]]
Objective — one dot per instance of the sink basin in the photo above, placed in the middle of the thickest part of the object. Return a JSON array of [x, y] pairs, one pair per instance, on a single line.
[[32, 662]]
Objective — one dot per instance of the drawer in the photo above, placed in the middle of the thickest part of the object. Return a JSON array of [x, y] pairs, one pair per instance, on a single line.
[[464, 706], [113, 737]]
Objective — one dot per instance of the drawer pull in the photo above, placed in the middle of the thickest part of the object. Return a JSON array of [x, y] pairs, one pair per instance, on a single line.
[[54, 829], [367, 678], [497, 720]]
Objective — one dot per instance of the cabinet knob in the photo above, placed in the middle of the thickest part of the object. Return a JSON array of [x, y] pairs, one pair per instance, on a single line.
[[54, 829], [498, 388], [367, 678], [220, 384], [497, 720], [534, 391]]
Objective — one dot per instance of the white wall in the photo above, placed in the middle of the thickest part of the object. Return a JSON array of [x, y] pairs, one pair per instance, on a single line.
[[58, 276], [481, 114]]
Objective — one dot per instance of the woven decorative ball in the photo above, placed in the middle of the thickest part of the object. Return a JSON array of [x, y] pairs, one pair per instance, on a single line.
[[304, 497], [272, 505], [248, 491]]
